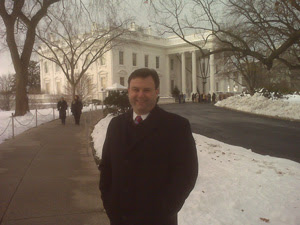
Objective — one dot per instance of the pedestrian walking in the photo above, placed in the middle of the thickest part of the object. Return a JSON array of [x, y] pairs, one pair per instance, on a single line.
[[62, 106], [76, 109], [214, 97], [181, 98], [149, 161], [209, 98]]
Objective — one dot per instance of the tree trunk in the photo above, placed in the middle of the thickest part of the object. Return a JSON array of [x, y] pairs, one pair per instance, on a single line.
[[73, 91], [22, 106]]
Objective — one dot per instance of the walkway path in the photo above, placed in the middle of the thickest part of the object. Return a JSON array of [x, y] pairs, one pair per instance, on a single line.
[[48, 176]]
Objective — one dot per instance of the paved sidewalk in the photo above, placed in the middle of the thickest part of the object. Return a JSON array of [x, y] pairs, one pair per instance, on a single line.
[[48, 176]]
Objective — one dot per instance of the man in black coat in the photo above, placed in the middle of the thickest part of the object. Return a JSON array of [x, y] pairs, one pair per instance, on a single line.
[[76, 109], [149, 165], [62, 106]]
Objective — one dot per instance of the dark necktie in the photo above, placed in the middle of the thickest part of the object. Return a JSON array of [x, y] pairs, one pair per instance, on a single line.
[[138, 120]]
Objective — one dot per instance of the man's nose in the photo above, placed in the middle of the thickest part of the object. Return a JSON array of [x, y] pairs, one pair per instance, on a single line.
[[141, 94]]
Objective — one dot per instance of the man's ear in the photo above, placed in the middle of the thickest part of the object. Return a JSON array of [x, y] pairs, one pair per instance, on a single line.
[[157, 91]]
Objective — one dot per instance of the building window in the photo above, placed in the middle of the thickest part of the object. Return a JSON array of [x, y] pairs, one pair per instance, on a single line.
[[157, 62], [122, 81], [57, 67], [121, 58], [58, 87], [102, 60], [47, 88], [103, 82], [172, 64], [46, 67], [146, 60], [134, 59], [217, 86]]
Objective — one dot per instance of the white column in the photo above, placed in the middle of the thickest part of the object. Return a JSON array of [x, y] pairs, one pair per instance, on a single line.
[[212, 74], [183, 74], [194, 76], [168, 77]]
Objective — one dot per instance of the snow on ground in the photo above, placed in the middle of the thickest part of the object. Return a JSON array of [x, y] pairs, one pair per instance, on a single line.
[[23, 123], [288, 108], [235, 186]]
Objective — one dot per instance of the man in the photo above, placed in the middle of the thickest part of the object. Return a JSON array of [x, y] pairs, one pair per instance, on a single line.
[[76, 108], [149, 167], [62, 106]]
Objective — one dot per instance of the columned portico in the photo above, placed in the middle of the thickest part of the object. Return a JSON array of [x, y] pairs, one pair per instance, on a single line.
[[212, 74], [168, 77], [194, 76], [183, 74]]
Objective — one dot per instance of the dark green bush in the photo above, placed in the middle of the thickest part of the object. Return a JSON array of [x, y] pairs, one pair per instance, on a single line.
[[116, 102]]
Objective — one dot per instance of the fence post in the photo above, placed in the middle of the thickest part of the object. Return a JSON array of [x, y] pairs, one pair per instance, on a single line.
[[36, 120], [12, 122], [91, 116]]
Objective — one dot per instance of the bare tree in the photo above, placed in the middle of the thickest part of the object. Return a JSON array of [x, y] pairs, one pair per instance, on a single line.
[[33, 84], [20, 19], [203, 71], [264, 30], [245, 71], [6, 91], [74, 39], [85, 88]]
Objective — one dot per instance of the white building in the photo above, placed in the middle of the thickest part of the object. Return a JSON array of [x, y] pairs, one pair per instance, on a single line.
[[177, 63]]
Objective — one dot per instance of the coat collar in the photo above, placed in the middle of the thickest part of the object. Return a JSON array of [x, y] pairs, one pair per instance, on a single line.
[[152, 122]]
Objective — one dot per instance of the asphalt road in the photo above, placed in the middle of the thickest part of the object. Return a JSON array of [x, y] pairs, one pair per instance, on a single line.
[[263, 135]]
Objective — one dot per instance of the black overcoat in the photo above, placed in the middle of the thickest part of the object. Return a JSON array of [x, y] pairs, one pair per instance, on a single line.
[[62, 106], [147, 170], [76, 107]]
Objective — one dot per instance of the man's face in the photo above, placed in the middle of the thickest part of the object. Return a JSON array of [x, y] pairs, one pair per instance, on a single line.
[[142, 95]]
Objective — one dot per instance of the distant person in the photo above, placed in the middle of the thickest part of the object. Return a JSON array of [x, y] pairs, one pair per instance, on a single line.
[[62, 106], [149, 161], [180, 98], [214, 97], [193, 97], [76, 109], [209, 98]]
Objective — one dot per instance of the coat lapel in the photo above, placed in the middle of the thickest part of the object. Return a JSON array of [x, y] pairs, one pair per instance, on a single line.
[[124, 128], [151, 123]]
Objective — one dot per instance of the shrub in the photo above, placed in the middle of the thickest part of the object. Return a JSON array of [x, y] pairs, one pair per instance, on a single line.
[[117, 102]]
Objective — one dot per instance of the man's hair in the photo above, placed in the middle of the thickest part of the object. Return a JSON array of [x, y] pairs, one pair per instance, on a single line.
[[144, 73]]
